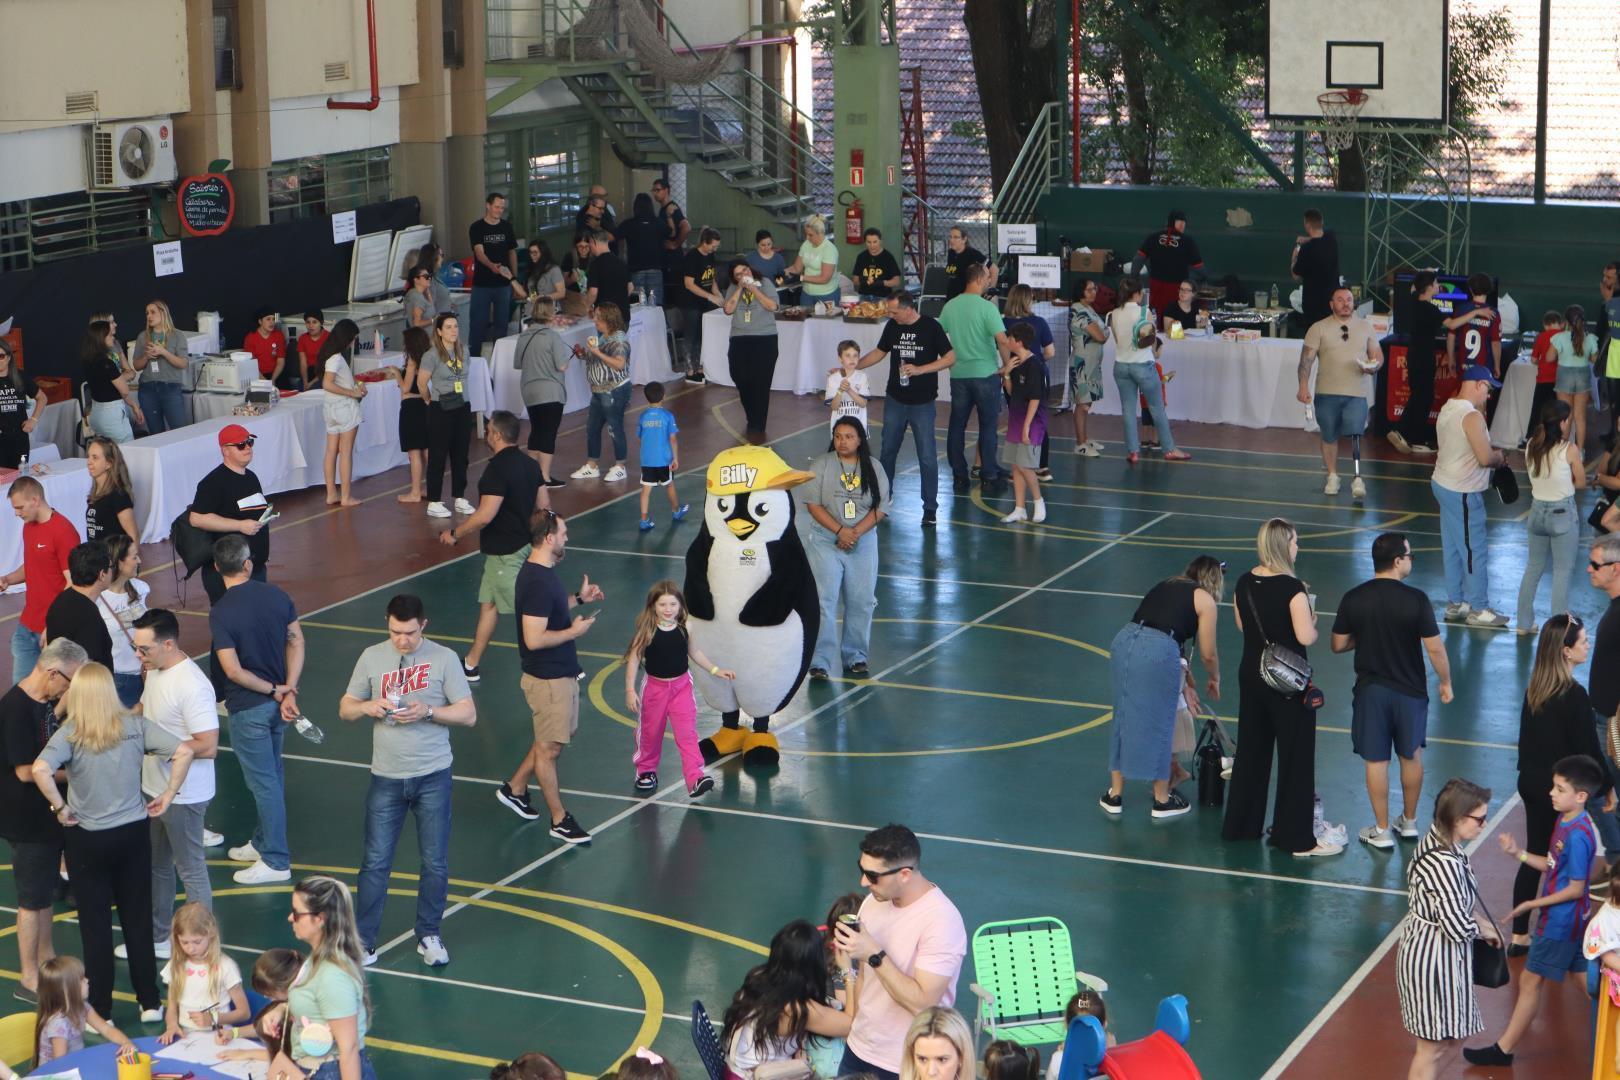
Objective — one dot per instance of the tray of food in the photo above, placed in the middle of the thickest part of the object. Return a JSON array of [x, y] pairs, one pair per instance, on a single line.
[[791, 314], [867, 311]]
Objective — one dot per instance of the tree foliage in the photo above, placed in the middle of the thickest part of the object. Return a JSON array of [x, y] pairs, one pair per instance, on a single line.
[[1016, 66]]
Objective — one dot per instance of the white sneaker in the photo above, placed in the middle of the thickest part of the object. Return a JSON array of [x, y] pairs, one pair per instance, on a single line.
[[1486, 617], [1398, 441], [368, 957], [615, 474], [464, 507], [212, 838], [160, 949], [438, 510], [1406, 828], [1095, 444], [1015, 517], [259, 873], [586, 471], [1358, 489], [1322, 848], [1332, 485], [1459, 610], [1040, 511], [151, 1016], [1376, 837], [1087, 450], [246, 853], [432, 951]]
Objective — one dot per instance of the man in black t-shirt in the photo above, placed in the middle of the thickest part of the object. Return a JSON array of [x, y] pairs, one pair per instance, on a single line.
[[1603, 571], [609, 276], [677, 229], [506, 498], [27, 721], [494, 248], [958, 257], [699, 294], [1171, 257], [1315, 266], [75, 614], [1390, 625], [231, 500], [876, 273], [918, 350]]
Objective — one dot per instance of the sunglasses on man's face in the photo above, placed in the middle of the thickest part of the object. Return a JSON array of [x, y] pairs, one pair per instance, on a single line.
[[243, 445], [1596, 566]]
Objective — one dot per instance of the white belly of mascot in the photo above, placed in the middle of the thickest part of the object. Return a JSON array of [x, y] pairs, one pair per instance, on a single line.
[[751, 599]]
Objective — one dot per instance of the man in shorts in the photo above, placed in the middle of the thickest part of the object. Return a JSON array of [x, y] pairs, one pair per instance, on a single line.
[[506, 497], [27, 721], [546, 635], [1350, 354]]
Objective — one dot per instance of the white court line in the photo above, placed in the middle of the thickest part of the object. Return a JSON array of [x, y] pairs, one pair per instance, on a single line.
[[1320, 1020]]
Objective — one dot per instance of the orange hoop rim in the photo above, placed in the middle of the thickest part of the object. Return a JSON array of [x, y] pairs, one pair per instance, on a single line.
[[1350, 96]]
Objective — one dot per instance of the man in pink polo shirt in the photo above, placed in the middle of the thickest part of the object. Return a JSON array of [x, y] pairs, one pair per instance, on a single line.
[[47, 539], [912, 941]]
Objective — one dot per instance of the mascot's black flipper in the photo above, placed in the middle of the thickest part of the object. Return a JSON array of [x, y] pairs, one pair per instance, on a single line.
[[699, 599]]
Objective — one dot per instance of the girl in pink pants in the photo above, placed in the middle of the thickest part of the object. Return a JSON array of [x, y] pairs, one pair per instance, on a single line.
[[662, 646]]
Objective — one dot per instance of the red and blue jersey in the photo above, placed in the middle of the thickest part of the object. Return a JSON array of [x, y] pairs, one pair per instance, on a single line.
[[1569, 859]]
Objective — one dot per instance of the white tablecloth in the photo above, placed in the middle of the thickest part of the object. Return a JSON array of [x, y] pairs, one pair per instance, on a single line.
[[1512, 418], [288, 456], [1252, 384], [649, 361], [67, 489], [805, 353], [56, 428]]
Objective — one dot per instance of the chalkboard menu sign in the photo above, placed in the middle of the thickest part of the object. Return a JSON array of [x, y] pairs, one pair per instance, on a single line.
[[207, 204]]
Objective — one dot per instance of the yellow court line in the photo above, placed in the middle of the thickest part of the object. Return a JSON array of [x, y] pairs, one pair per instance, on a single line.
[[1221, 498]]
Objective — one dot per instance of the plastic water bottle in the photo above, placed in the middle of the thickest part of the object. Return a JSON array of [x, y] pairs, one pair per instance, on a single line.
[[1274, 298], [376, 342], [306, 727], [905, 380]]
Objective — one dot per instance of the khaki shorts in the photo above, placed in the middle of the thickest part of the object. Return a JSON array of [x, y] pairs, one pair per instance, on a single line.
[[554, 706], [500, 579]]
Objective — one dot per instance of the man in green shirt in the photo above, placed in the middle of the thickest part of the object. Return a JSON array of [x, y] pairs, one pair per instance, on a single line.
[[979, 338]]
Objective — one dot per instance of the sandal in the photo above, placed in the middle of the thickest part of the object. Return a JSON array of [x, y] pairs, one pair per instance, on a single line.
[[1178, 455]]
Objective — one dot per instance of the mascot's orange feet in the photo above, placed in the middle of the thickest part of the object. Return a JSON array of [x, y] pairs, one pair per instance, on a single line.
[[728, 740], [761, 748]]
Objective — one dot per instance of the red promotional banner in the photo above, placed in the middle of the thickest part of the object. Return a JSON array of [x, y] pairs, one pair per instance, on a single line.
[[1400, 387]]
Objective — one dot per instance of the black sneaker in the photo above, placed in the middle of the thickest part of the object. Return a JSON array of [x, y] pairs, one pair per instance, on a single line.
[[23, 994], [1043, 475], [556, 482], [704, 785], [568, 831], [859, 668], [696, 378], [647, 781], [470, 672], [975, 472], [928, 519], [819, 674], [1487, 1055], [1174, 806], [518, 804], [960, 486], [1114, 804]]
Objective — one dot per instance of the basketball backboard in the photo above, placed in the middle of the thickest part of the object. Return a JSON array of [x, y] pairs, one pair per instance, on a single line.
[[1396, 50]]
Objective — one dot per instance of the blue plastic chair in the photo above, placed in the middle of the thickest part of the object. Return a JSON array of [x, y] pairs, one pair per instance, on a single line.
[[707, 1042]]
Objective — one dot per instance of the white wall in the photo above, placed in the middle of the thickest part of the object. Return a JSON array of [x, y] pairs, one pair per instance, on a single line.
[[302, 127], [49, 161], [711, 22], [551, 94]]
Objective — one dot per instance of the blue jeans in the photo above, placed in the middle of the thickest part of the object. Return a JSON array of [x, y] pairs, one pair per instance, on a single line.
[[920, 418], [984, 396], [110, 420], [650, 284], [24, 653], [1133, 379], [427, 798], [482, 297], [850, 576], [1462, 542], [331, 1070], [256, 736], [607, 408], [1555, 534], [164, 404], [129, 688]]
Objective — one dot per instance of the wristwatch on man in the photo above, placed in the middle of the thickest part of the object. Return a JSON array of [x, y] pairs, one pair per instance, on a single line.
[[876, 959]]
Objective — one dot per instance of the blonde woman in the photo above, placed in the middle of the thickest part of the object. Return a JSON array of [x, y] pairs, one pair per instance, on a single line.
[[110, 504], [817, 264], [109, 844], [328, 1008], [1272, 606], [160, 357], [939, 1046]]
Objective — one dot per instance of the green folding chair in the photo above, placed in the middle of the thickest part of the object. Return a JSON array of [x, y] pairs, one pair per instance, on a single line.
[[1025, 977]]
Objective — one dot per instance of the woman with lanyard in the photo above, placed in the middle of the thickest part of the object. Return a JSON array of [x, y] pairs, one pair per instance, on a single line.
[[109, 844], [1434, 967], [1145, 664], [413, 414], [441, 380], [817, 264], [121, 603], [751, 304], [17, 421], [846, 501], [328, 1008], [160, 357], [109, 387], [110, 505], [1087, 335]]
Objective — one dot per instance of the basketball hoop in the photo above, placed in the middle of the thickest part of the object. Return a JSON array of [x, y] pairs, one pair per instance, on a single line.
[[1340, 111]]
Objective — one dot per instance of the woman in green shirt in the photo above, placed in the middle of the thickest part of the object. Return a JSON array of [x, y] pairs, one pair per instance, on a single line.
[[327, 1005], [817, 264]]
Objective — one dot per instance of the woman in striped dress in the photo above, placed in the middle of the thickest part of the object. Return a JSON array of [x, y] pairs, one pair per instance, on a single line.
[[1434, 971]]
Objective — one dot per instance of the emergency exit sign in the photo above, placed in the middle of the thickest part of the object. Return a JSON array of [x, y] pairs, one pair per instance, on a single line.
[[857, 176]]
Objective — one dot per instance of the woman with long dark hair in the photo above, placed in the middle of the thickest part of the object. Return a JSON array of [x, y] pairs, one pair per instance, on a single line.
[[17, 392], [1556, 474], [109, 387], [341, 410], [419, 308], [1575, 347], [121, 603], [1414, 434], [751, 304], [846, 500], [110, 503], [545, 276], [441, 380], [413, 414], [432, 257], [781, 1002]]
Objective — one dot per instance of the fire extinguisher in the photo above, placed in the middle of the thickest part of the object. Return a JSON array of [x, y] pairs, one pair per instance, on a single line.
[[854, 218]]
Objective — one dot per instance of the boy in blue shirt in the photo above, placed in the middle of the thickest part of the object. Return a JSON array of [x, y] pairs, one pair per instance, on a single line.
[[1555, 947], [660, 456]]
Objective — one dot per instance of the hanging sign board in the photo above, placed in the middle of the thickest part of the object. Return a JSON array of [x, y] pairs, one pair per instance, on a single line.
[[207, 204]]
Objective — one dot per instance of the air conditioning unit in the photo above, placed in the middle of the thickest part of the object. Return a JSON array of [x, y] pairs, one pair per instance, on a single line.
[[131, 153]]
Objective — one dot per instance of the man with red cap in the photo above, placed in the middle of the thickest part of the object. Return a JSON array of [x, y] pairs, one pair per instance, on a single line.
[[231, 500], [1171, 257]]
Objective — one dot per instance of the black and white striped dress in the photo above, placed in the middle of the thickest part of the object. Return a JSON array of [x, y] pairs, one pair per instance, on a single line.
[[1434, 970]]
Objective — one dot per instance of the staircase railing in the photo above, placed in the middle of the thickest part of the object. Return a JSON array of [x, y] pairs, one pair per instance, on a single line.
[[528, 29], [1038, 166]]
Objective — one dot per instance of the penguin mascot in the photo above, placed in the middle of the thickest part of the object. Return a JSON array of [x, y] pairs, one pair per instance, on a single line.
[[750, 598]]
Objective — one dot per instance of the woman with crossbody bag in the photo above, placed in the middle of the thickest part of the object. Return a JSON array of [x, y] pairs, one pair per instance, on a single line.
[[1136, 346], [121, 603], [1275, 614]]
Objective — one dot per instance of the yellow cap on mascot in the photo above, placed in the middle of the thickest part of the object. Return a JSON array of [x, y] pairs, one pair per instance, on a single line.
[[744, 469]]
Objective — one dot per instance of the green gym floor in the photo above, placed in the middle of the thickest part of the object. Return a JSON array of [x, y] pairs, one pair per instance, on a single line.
[[984, 727]]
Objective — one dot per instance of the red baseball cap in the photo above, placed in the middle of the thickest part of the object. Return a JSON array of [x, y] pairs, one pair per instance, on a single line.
[[234, 433]]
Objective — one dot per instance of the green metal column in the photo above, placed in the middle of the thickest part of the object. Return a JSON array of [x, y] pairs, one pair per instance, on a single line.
[[866, 131]]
